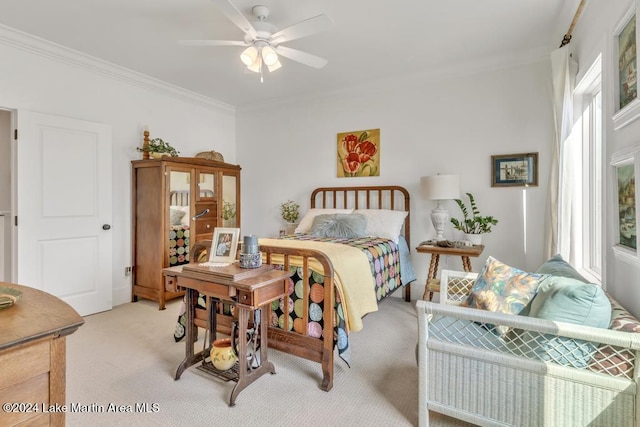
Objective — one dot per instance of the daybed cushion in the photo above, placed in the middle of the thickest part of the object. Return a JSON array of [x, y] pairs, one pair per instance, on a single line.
[[307, 220], [383, 223], [607, 358], [339, 226], [503, 289]]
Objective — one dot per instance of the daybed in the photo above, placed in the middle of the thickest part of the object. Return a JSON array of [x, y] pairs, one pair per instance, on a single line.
[[539, 373], [299, 323]]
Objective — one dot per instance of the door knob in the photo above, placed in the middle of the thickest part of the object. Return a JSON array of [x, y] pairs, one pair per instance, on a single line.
[[106, 227]]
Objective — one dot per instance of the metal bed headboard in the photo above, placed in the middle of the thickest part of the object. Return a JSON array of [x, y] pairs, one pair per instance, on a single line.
[[391, 197]]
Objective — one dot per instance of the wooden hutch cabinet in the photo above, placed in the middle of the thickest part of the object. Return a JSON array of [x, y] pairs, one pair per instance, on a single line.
[[176, 202]]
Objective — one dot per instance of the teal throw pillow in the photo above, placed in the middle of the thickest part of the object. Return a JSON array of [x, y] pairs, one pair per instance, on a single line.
[[339, 225], [557, 266], [564, 299]]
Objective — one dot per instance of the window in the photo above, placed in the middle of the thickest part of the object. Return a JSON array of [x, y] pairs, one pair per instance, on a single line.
[[583, 160]]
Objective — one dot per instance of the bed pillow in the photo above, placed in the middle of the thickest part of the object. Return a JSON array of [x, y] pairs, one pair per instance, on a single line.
[[307, 220], [184, 217], [503, 289], [348, 226], [175, 216], [383, 223]]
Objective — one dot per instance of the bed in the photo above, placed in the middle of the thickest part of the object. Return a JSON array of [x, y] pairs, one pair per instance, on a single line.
[[323, 272]]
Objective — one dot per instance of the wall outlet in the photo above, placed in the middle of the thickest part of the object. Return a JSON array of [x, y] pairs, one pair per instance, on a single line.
[[127, 271]]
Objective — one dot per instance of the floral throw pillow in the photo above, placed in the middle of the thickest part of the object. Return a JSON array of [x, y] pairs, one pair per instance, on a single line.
[[503, 289]]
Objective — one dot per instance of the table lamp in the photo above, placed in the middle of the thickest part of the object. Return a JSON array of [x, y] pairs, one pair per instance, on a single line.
[[440, 188]]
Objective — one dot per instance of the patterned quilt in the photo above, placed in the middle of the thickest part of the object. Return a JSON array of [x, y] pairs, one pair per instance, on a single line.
[[178, 245], [384, 259]]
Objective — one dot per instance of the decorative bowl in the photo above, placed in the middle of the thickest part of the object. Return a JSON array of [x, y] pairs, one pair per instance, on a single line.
[[9, 296]]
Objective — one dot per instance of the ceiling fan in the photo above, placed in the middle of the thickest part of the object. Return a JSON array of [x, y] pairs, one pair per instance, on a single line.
[[263, 40]]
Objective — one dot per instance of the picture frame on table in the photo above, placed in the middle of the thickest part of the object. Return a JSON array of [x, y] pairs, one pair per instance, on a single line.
[[626, 167], [625, 68], [514, 170], [224, 245]]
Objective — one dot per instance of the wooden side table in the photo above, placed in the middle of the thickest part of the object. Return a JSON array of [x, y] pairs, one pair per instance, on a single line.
[[433, 284], [251, 291]]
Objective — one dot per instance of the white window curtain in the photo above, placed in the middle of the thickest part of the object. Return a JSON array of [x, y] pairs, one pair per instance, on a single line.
[[560, 199]]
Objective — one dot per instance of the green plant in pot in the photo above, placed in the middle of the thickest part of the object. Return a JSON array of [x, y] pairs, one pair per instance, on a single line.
[[473, 224], [157, 148], [290, 213]]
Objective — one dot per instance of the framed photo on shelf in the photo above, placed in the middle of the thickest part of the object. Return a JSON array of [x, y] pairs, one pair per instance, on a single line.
[[514, 170], [625, 68], [224, 245], [625, 171]]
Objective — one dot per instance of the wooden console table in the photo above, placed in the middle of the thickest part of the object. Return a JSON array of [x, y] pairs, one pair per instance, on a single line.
[[433, 284], [33, 357], [250, 290]]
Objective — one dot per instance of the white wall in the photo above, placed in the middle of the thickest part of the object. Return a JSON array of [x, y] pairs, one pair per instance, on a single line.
[[5, 161], [428, 125], [593, 36], [34, 78]]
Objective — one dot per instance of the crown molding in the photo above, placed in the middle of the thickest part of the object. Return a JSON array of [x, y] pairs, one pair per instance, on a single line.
[[53, 51]]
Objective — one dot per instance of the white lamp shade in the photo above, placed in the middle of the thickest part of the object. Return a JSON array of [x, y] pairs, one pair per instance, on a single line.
[[440, 187], [249, 55], [274, 66], [269, 56], [256, 66]]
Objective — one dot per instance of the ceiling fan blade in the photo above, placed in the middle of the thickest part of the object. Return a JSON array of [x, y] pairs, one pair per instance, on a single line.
[[302, 29], [212, 43], [302, 57], [236, 17]]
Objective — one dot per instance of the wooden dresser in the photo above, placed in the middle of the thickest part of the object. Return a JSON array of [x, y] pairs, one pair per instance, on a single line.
[[33, 358], [176, 202]]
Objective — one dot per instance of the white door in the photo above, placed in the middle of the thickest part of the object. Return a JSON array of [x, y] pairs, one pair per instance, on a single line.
[[64, 209]]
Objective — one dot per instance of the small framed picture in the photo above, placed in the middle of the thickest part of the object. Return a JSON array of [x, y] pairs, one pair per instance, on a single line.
[[511, 170], [225, 245], [625, 42], [626, 169]]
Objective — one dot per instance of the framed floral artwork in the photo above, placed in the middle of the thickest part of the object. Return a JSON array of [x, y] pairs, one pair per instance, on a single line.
[[625, 53], [359, 153]]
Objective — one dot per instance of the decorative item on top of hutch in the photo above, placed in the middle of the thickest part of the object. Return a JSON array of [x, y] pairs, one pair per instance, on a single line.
[[625, 68], [176, 202]]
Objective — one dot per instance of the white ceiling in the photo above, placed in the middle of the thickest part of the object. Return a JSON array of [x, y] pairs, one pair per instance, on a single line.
[[372, 39]]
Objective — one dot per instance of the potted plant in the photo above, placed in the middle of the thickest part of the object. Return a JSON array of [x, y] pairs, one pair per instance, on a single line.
[[290, 213], [473, 225], [158, 148]]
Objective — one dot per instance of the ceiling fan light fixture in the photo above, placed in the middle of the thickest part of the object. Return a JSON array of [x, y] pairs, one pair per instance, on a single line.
[[269, 56], [274, 67], [256, 65], [249, 56]]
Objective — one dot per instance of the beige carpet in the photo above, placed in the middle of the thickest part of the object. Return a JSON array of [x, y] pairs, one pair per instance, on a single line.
[[128, 357]]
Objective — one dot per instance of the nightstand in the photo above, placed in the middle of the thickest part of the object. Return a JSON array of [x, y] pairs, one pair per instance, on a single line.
[[433, 284]]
